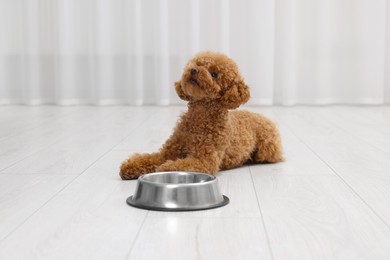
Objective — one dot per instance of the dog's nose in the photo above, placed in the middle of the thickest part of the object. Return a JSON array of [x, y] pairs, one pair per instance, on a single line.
[[194, 71]]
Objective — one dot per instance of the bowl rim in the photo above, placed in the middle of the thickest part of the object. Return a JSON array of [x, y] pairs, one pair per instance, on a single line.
[[144, 179]]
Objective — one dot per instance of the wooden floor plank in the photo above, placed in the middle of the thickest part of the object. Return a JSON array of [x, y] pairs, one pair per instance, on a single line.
[[364, 124], [201, 238], [363, 167], [73, 154], [328, 200], [318, 217], [18, 147], [89, 219], [17, 121], [22, 195]]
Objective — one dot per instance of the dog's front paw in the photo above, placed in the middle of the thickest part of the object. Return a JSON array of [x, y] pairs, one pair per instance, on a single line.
[[127, 172], [139, 164]]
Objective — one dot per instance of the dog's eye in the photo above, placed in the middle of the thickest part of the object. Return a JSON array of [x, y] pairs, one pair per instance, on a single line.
[[214, 74]]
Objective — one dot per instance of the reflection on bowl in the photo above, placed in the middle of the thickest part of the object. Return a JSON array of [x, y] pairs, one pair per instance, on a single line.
[[177, 191]]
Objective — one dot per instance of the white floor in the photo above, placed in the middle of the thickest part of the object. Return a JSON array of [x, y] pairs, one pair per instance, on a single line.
[[61, 196]]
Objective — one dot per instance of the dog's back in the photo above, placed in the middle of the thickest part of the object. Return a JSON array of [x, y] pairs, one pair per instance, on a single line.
[[253, 138]]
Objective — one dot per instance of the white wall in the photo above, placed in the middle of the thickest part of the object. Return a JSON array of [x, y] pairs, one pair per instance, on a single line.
[[131, 51]]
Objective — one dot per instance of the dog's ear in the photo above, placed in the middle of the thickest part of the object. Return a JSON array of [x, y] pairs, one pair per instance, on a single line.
[[180, 92], [236, 95]]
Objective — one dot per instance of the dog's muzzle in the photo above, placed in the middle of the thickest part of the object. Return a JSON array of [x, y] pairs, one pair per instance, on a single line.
[[193, 81]]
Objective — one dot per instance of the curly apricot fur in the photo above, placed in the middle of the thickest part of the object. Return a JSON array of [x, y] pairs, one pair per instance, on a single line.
[[208, 137]]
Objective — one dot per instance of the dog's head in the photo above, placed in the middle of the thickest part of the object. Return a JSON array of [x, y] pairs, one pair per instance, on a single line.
[[213, 76]]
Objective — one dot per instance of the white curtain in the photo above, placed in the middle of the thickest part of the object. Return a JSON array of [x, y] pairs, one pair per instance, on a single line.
[[131, 51]]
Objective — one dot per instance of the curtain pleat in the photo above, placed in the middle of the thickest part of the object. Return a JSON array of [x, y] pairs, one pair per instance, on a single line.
[[387, 56], [130, 52]]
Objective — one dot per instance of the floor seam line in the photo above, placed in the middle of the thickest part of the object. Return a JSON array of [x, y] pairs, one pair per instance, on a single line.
[[351, 133], [35, 127], [137, 235], [262, 216], [63, 188], [40, 150], [338, 175]]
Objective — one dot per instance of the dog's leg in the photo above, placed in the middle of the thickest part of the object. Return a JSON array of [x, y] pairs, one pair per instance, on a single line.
[[269, 147], [140, 164], [191, 164]]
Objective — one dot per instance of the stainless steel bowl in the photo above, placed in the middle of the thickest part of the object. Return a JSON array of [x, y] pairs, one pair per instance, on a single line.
[[177, 191]]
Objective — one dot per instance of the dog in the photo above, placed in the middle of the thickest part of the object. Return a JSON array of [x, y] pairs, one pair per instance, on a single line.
[[208, 137]]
